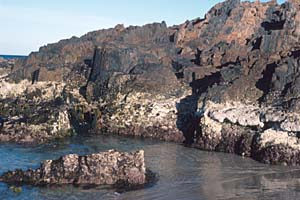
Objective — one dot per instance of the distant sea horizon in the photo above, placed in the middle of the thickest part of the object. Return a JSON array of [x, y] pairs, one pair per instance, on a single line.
[[8, 57]]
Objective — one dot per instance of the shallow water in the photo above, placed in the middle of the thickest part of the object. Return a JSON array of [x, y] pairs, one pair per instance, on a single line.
[[184, 173]]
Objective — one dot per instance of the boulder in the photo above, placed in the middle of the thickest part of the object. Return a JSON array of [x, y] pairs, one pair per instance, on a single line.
[[115, 168]]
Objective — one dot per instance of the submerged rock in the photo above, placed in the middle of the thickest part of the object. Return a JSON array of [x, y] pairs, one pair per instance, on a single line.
[[107, 168]]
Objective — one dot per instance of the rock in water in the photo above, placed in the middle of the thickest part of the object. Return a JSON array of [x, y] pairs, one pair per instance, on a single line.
[[106, 168]]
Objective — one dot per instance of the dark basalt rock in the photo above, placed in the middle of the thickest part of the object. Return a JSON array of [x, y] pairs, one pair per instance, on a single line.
[[147, 57], [119, 169]]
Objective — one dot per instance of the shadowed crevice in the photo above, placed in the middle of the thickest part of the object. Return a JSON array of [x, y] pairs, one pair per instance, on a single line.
[[197, 60], [273, 26], [256, 43], [265, 83], [187, 118]]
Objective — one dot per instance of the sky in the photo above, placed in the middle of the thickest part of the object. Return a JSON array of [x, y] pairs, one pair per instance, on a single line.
[[27, 25]]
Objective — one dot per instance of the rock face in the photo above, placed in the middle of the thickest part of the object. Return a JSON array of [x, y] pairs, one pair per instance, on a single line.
[[33, 113], [107, 168], [263, 133], [228, 82]]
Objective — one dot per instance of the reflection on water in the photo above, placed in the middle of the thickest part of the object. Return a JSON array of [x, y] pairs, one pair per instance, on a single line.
[[184, 173]]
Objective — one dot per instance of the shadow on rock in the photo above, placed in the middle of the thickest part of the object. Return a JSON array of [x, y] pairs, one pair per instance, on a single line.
[[188, 118]]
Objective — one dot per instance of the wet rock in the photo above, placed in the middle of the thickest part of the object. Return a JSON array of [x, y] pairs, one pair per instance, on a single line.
[[106, 168], [230, 128]]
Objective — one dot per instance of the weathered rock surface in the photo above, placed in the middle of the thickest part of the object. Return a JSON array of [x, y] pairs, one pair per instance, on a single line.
[[107, 168], [36, 113], [6, 66], [263, 133], [228, 82]]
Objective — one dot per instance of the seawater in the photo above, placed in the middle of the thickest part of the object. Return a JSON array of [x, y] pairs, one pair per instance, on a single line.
[[12, 56], [183, 173]]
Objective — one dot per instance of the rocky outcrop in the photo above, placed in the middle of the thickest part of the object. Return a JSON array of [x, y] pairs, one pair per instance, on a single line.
[[35, 113], [227, 82], [264, 133], [125, 170]]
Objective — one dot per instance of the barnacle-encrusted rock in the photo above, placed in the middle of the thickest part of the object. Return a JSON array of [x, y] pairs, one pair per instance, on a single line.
[[263, 133], [105, 168], [33, 113]]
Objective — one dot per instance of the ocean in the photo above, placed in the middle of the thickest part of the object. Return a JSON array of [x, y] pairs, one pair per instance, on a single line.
[[183, 173], [12, 56]]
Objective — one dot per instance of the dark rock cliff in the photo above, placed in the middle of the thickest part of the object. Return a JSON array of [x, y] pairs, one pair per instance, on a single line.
[[252, 46]]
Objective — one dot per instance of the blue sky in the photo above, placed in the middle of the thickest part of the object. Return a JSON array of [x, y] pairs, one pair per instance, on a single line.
[[28, 24]]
